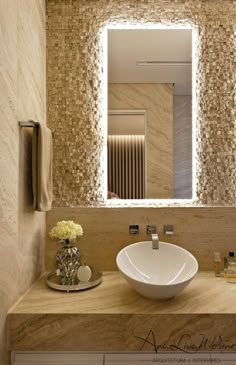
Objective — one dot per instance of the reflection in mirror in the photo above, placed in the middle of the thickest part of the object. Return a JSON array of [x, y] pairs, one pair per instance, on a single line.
[[126, 153], [149, 116]]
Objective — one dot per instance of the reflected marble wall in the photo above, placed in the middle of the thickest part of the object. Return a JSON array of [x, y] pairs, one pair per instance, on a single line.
[[182, 106], [22, 97], [157, 100]]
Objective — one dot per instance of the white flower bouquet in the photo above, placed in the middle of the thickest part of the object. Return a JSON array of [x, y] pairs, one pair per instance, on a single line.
[[66, 231]]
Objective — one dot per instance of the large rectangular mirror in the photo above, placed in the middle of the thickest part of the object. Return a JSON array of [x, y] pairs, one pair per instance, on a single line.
[[150, 113]]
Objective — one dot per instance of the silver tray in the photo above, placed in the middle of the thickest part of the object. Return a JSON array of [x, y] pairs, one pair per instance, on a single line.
[[53, 282]]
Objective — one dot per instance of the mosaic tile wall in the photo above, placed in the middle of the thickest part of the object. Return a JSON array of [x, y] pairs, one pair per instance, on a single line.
[[75, 88]]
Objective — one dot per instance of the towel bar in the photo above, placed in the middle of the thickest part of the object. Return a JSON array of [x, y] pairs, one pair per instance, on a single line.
[[29, 123]]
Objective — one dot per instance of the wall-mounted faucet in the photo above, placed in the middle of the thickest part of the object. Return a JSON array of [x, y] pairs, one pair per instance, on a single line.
[[152, 230], [155, 241]]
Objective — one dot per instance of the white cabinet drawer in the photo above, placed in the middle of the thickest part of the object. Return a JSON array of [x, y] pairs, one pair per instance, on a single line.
[[129, 359], [57, 358], [171, 358]]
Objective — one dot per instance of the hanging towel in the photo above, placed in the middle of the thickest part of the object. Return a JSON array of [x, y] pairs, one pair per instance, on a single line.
[[42, 168]]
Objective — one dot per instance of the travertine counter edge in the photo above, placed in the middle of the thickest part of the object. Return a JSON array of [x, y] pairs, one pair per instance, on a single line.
[[111, 317]]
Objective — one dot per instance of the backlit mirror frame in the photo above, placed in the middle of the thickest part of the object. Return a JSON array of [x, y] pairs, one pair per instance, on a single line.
[[131, 87], [104, 46]]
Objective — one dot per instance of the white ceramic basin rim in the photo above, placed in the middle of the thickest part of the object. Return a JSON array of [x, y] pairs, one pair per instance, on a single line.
[[157, 273]]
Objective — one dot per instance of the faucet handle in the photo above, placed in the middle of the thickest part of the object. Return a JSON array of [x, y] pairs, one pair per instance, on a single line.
[[168, 230], [151, 228]]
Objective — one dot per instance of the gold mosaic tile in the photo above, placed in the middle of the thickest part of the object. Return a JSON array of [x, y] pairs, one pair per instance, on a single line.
[[75, 84]]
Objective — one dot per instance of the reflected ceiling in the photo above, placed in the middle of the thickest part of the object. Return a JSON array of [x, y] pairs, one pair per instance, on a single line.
[[126, 47]]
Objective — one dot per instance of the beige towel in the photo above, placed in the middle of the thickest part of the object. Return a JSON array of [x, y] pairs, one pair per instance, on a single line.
[[42, 168]]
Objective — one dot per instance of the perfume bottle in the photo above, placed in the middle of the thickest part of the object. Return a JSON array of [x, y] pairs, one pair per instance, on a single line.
[[230, 270], [226, 260], [217, 264]]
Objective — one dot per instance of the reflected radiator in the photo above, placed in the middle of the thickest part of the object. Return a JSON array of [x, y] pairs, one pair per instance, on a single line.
[[126, 169]]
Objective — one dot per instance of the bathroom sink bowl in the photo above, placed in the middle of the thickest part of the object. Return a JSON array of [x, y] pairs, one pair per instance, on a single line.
[[157, 273]]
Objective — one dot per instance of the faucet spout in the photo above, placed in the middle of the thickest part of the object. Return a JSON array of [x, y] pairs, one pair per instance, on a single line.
[[155, 241]]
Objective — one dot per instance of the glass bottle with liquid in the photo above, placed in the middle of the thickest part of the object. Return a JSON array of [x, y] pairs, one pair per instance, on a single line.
[[230, 270], [217, 264]]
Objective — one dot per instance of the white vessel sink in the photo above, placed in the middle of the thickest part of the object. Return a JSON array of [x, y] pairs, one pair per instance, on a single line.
[[157, 273]]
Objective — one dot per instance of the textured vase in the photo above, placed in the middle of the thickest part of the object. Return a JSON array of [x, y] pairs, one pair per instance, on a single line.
[[68, 262]]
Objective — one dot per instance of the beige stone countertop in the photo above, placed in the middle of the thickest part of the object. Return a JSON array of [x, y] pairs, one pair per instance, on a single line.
[[114, 295], [113, 317]]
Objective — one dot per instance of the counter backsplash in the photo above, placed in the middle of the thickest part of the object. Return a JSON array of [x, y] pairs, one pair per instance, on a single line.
[[200, 230]]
